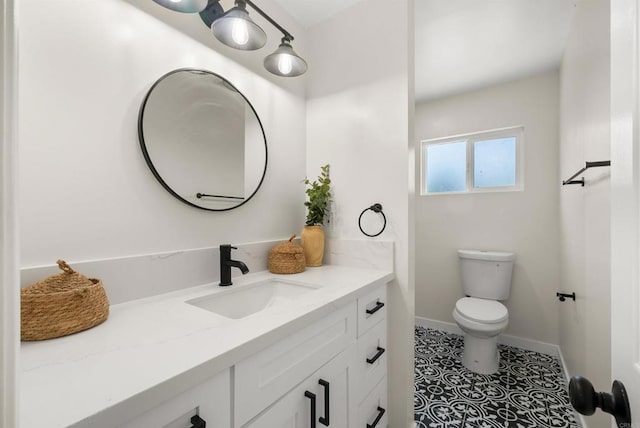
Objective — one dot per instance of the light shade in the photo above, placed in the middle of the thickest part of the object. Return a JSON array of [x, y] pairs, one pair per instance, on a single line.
[[285, 62], [185, 6], [236, 29]]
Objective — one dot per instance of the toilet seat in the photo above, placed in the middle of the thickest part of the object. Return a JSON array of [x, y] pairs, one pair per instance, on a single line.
[[482, 310]]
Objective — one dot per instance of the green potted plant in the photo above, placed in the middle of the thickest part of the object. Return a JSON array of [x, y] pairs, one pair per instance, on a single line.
[[318, 200]]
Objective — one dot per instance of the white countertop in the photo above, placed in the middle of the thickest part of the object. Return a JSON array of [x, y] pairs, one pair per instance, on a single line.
[[161, 346]]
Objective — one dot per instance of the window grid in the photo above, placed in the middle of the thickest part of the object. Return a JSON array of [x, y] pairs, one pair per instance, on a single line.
[[470, 140]]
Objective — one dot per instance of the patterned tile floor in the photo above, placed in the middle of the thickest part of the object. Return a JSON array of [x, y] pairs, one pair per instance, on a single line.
[[528, 391]]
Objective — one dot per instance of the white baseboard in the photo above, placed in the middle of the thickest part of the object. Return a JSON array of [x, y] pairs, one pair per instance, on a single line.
[[564, 365], [504, 339], [581, 422], [439, 325]]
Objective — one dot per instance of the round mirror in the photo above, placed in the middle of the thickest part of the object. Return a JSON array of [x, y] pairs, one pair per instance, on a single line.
[[203, 140]]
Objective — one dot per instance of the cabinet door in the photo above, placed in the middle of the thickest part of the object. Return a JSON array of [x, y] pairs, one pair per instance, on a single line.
[[269, 374], [211, 401], [372, 412], [295, 409]]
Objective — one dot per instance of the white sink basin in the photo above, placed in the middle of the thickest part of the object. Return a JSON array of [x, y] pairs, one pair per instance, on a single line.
[[245, 300]]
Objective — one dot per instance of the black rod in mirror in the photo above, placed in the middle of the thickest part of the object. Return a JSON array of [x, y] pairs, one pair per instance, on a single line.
[[204, 195]]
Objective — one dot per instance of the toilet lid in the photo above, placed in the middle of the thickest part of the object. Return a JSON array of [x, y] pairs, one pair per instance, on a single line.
[[482, 310]]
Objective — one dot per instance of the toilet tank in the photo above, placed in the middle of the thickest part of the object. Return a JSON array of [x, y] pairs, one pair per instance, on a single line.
[[486, 274]]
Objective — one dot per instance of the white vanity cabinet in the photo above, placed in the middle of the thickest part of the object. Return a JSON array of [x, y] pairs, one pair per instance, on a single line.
[[321, 400], [335, 367], [371, 366], [264, 377], [209, 401], [332, 372]]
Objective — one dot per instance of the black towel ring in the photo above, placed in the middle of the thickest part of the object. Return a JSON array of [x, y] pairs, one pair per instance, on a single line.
[[376, 208]]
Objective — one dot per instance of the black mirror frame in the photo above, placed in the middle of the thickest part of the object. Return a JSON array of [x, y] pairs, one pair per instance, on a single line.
[[155, 172]]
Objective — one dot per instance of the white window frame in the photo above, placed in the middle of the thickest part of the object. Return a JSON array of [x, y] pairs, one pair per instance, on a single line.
[[470, 139]]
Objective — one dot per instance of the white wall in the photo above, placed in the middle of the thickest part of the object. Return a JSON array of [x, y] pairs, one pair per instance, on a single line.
[[9, 263], [85, 190], [585, 218], [525, 222], [359, 110]]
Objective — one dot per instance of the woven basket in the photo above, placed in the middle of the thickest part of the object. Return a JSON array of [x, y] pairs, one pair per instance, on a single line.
[[287, 257], [61, 304]]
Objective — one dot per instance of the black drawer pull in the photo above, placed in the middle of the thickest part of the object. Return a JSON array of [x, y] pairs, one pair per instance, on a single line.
[[312, 397], [198, 422], [379, 305], [375, 357], [325, 419], [380, 414]]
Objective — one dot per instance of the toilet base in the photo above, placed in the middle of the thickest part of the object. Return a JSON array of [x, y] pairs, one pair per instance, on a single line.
[[481, 355]]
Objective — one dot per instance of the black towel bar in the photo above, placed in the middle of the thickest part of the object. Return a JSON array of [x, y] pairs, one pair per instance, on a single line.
[[564, 296], [588, 165]]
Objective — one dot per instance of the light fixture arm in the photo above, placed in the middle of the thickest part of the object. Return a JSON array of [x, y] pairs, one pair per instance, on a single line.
[[287, 35]]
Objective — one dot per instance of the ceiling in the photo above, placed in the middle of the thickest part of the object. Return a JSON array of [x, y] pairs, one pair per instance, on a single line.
[[463, 45], [310, 12]]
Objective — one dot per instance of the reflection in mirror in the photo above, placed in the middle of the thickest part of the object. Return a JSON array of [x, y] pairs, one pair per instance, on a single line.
[[202, 140]]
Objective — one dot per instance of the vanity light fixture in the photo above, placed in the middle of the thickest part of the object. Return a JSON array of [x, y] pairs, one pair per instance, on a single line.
[[284, 61], [185, 6], [236, 29]]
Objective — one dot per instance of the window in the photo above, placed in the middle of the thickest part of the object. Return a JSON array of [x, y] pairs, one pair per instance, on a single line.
[[482, 162]]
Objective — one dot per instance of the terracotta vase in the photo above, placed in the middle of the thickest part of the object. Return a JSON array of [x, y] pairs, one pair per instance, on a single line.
[[312, 239]]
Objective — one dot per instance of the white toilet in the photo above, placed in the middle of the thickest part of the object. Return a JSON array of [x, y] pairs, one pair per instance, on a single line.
[[486, 279]]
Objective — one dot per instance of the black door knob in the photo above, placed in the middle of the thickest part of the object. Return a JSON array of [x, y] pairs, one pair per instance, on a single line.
[[585, 400], [198, 422]]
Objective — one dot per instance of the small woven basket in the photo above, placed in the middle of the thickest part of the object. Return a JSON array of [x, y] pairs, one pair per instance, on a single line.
[[61, 304], [286, 257]]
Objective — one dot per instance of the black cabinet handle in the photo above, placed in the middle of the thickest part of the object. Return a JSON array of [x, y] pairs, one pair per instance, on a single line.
[[198, 422], [379, 305], [381, 412], [324, 420], [311, 396], [375, 357]]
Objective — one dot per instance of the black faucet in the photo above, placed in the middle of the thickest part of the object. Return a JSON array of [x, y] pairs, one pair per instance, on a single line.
[[226, 264]]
